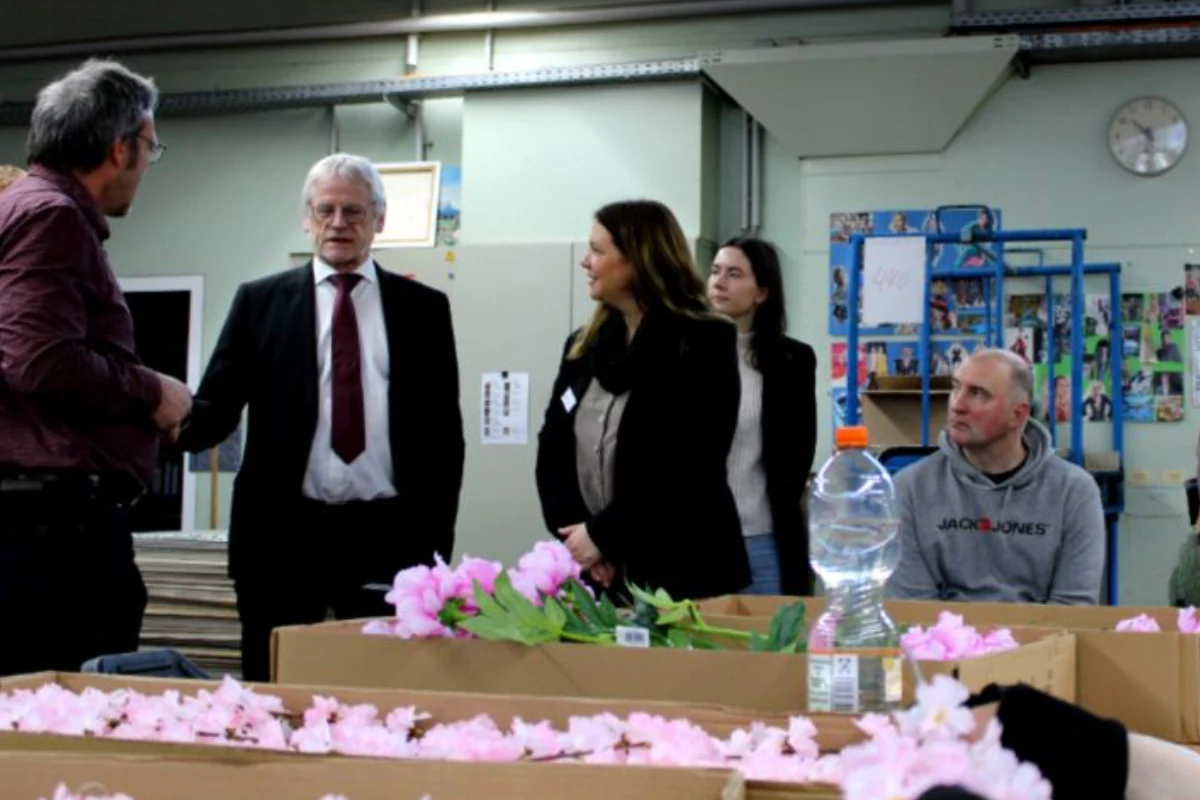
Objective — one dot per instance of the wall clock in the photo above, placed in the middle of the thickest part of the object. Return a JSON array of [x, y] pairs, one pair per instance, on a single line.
[[1148, 136]]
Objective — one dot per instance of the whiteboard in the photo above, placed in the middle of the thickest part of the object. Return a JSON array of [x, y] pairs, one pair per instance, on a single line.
[[411, 190]]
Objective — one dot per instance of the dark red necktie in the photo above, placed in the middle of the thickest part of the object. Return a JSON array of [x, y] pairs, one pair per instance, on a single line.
[[349, 436]]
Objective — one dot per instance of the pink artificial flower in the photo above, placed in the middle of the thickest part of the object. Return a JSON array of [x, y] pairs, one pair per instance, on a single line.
[[950, 639], [419, 593], [404, 720], [544, 570], [471, 570], [1187, 621], [63, 793], [940, 713], [540, 741], [1142, 623]]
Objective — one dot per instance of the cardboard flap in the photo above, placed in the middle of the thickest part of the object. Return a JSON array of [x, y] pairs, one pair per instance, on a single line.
[[29, 776], [1133, 677]]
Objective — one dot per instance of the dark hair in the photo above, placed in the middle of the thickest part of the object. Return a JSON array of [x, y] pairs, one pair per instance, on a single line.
[[78, 118], [770, 318], [648, 235]]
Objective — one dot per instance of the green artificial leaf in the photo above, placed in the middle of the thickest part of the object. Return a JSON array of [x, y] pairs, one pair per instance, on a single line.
[[580, 627], [674, 616], [644, 615], [788, 628], [584, 604], [759, 643], [554, 613], [487, 605], [517, 604], [703, 644], [679, 639], [492, 630], [663, 600], [641, 594], [608, 612]]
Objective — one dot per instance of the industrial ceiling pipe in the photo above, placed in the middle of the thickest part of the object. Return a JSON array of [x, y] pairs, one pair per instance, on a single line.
[[480, 22]]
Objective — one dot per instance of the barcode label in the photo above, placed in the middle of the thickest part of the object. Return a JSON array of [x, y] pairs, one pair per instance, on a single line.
[[632, 637], [820, 687], [844, 684], [833, 684]]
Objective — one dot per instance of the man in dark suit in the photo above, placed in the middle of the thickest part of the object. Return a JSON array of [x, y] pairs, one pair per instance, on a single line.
[[354, 453]]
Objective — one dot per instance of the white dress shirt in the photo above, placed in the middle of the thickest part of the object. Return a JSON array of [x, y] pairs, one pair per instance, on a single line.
[[370, 476]]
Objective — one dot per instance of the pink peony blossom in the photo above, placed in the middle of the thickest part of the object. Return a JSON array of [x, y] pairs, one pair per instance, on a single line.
[[471, 570], [544, 570], [1187, 621], [1142, 623]]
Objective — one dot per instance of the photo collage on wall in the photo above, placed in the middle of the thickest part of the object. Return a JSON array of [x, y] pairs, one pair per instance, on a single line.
[[1147, 348], [957, 310]]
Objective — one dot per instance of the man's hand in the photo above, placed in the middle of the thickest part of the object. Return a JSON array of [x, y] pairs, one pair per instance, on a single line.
[[175, 404], [582, 548]]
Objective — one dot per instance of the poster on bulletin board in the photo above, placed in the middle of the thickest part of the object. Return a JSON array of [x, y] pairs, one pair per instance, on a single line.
[[1147, 349], [957, 306]]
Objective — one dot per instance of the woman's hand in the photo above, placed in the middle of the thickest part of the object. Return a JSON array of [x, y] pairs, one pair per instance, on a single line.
[[603, 573], [582, 548]]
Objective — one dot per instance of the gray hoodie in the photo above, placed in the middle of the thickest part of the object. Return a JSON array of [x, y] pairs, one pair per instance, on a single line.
[[1037, 537]]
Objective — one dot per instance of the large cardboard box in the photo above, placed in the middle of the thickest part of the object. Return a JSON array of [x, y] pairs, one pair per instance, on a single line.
[[893, 416], [338, 654], [1148, 681], [980, 615], [834, 733], [28, 776]]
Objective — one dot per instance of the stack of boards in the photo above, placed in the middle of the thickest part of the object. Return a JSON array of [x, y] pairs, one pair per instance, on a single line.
[[191, 608]]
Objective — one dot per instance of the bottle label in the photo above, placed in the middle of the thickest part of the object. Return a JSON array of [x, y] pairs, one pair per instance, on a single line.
[[893, 680], [833, 683], [834, 679]]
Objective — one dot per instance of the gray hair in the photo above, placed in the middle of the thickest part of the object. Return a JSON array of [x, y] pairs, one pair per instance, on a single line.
[[78, 118], [350, 167], [1020, 372]]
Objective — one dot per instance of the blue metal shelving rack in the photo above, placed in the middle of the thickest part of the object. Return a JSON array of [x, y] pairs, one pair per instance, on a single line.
[[994, 274]]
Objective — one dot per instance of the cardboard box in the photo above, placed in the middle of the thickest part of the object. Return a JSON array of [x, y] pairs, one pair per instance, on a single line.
[[978, 614], [338, 654], [893, 416], [834, 733], [1148, 681], [28, 776]]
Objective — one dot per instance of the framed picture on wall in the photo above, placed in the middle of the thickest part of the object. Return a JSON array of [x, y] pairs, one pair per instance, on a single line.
[[412, 190]]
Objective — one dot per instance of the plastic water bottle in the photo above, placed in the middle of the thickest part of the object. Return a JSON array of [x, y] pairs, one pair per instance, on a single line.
[[854, 664]]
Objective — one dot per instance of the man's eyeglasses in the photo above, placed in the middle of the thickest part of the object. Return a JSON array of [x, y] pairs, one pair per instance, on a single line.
[[352, 215], [156, 148]]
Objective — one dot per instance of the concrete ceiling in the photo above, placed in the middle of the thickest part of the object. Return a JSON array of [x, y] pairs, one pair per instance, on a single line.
[[61, 21]]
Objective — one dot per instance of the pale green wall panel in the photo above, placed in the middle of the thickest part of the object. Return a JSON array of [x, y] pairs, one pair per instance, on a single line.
[[537, 164]]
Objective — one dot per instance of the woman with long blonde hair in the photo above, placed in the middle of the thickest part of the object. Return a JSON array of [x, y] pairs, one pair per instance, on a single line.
[[631, 465]]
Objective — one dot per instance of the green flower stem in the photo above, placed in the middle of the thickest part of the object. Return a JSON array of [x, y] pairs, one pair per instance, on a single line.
[[727, 632], [585, 639]]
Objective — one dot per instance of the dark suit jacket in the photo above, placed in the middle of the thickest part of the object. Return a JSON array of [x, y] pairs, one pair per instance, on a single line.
[[266, 358], [672, 523], [789, 431]]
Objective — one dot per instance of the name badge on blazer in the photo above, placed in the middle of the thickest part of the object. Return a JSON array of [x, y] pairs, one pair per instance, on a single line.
[[568, 400]]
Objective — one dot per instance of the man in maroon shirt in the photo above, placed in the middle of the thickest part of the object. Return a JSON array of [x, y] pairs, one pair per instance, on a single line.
[[80, 417]]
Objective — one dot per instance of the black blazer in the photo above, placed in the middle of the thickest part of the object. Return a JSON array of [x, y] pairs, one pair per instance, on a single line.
[[672, 522], [789, 433], [266, 358]]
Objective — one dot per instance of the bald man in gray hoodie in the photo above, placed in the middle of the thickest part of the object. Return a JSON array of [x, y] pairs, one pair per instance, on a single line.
[[995, 515]]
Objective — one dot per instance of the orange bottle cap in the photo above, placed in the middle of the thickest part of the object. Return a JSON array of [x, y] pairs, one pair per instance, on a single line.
[[851, 436]]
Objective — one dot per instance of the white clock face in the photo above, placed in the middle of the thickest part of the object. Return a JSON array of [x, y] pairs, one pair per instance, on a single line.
[[1148, 136]]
